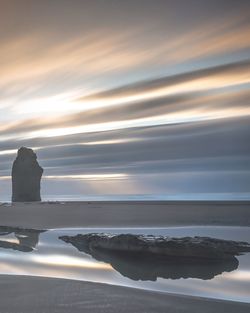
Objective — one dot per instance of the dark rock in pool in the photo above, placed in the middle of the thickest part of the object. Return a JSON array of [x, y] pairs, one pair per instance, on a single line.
[[148, 258], [26, 176], [186, 247]]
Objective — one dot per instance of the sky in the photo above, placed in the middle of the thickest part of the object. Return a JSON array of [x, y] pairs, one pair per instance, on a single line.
[[134, 98]]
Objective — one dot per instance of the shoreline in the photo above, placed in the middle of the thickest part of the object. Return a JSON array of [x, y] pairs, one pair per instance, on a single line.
[[229, 202], [42, 294]]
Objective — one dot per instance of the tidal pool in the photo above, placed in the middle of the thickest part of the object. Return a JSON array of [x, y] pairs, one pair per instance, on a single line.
[[42, 253]]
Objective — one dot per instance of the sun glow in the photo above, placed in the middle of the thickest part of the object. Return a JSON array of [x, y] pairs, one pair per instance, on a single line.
[[89, 176]]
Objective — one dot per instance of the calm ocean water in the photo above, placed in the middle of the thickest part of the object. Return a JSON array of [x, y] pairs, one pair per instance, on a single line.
[[143, 197]]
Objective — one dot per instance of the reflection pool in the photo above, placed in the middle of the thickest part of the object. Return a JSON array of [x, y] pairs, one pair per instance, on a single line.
[[42, 253]]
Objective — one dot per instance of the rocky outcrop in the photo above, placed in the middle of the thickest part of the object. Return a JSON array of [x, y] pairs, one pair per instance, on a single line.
[[149, 257], [186, 247], [26, 177]]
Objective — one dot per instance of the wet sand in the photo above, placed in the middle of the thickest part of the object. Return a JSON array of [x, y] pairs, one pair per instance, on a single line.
[[124, 214], [23, 294]]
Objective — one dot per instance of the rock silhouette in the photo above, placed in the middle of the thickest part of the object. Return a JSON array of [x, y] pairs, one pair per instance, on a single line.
[[185, 247], [26, 176], [144, 258]]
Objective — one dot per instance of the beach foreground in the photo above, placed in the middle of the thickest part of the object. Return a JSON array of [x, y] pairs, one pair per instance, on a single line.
[[44, 215], [21, 294]]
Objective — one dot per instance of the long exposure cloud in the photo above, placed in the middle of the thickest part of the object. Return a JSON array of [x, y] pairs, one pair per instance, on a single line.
[[156, 92]]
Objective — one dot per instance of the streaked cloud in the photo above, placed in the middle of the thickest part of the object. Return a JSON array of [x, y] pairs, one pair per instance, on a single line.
[[177, 99], [127, 97]]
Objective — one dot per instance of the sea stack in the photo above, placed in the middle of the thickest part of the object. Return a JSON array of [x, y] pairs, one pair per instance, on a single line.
[[26, 176]]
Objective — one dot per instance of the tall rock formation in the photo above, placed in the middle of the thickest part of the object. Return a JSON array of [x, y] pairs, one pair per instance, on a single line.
[[26, 176]]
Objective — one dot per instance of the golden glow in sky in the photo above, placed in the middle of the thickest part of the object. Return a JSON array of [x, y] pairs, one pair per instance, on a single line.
[[117, 87]]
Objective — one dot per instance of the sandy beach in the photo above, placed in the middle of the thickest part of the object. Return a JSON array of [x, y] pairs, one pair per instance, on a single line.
[[21, 294], [44, 295], [124, 214]]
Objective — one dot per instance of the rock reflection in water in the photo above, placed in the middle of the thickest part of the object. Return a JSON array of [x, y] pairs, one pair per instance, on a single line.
[[146, 267], [139, 267], [27, 238]]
